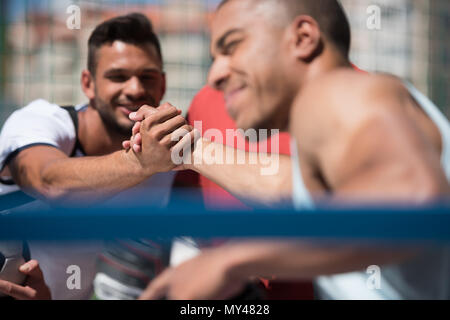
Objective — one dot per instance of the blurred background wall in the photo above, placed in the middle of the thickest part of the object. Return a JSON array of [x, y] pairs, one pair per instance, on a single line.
[[42, 58]]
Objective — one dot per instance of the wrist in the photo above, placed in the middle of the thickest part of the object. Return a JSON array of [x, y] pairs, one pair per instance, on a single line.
[[197, 158], [237, 264], [133, 163]]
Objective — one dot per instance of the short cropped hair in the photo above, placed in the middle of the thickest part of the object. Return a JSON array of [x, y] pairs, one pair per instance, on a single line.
[[329, 14], [134, 28]]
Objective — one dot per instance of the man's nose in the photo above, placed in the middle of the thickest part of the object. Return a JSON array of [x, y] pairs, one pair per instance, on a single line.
[[134, 88], [219, 73]]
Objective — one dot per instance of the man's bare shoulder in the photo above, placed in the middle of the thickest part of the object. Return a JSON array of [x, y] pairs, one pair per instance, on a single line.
[[347, 85], [334, 106], [348, 95]]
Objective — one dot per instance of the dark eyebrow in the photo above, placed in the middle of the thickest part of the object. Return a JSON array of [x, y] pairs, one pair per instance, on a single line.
[[220, 44], [114, 71], [121, 70], [152, 70]]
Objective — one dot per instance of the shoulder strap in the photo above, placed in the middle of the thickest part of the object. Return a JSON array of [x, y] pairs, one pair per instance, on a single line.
[[74, 116]]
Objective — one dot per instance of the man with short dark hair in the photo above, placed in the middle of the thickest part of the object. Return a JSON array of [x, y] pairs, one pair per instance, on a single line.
[[284, 64], [73, 155]]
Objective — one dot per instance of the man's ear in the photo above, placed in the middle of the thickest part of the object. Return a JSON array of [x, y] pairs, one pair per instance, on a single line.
[[305, 38], [88, 84]]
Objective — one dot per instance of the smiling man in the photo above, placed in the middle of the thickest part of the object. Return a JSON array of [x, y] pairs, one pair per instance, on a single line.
[[362, 138], [74, 155]]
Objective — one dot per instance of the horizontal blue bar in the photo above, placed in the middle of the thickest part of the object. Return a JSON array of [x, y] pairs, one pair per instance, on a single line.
[[380, 224]]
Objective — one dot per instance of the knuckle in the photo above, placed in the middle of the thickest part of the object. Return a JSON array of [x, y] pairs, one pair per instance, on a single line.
[[186, 129], [154, 134], [172, 109], [140, 112], [180, 119], [144, 111], [180, 133], [147, 123]]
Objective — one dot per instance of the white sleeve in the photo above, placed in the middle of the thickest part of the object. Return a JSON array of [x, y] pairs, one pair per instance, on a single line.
[[39, 123]]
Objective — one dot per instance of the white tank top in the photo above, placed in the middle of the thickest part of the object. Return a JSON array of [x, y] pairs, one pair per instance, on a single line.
[[427, 276]]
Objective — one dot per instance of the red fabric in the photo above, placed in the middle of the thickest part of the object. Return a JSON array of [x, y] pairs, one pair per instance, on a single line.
[[209, 107]]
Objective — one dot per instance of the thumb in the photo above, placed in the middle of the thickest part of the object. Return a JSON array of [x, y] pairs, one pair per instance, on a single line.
[[32, 269]]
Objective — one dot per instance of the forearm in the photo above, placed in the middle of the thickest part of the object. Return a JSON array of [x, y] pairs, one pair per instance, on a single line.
[[263, 179], [292, 260], [86, 179]]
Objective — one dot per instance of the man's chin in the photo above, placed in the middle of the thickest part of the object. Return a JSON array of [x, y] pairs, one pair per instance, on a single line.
[[243, 125], [125, 127]]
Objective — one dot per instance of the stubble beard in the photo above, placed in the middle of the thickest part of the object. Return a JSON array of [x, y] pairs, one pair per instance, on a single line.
[[109, 119]]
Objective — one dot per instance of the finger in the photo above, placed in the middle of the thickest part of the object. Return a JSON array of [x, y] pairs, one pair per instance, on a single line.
[[189, 139], [137, 139], [16, 291], [185, 146], [137, 143], [178, 134], [170, 126], [32, 269], [136, 128], [126, 144], [137, 148], [158, 288], [143, 113], [164, 115], [173, 138]]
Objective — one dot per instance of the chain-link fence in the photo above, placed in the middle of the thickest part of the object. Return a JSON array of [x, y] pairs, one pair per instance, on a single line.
[[408, 38], [42, 55]]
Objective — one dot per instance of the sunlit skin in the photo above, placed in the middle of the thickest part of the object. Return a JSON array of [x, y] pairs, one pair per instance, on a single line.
[[359, 137], [264, 68], [248, 67]]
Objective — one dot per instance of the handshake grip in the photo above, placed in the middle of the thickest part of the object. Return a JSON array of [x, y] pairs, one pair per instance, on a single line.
[[161, 138]]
